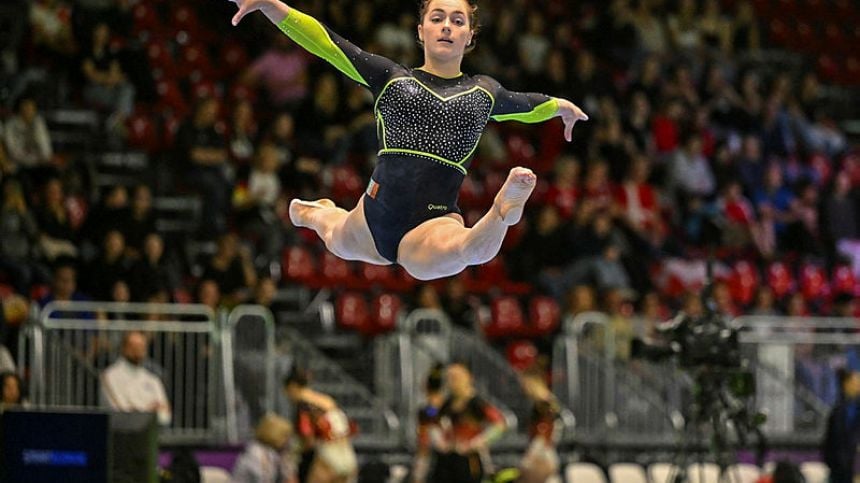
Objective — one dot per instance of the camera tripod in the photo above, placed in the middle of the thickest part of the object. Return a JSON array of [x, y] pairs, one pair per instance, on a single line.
[[719, 424]]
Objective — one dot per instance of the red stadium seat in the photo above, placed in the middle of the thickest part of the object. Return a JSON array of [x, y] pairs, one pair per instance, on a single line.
[[386, 308], [779, 33], [506, 319], [233, 59], [195, 64], [351, 311], [544, 316], [780, 279], [491, 276], [160, 61], [843, 281], [298, 265], [347, 185], [143, 132], [171, 98], [378, 275], [145, 20], [6, 291], [521, 354], [743, 282], [335, 271], [813, 282]]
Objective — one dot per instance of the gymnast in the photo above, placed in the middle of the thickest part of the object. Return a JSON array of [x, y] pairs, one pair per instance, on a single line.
[[429, 121]]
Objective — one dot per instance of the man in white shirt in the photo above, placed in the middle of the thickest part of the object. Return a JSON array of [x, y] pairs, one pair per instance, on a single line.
[[128, 386]]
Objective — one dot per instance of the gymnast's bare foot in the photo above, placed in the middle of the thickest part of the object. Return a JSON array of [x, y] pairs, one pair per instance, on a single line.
[[511, 199], [300, 209]]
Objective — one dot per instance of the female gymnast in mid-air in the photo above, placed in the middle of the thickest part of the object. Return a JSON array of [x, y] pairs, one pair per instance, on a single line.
[[429, 120]]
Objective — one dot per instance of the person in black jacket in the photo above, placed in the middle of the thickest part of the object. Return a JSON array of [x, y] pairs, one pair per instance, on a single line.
[[843, 429]]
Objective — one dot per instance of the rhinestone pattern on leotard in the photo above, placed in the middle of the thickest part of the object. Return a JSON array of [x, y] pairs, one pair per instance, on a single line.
[[417, 120]]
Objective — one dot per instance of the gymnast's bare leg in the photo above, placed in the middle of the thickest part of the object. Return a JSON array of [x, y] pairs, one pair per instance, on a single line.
[[437, 248], [442, 247], [345, 233]]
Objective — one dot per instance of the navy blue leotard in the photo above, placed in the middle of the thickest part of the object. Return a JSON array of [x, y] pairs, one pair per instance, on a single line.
[[428, 129]]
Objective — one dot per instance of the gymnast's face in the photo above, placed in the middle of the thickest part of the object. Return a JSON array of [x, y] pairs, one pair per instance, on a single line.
[[446, 29]]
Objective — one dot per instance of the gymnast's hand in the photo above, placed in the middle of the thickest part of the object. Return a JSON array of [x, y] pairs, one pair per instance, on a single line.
[[569, 113], [273, 9]]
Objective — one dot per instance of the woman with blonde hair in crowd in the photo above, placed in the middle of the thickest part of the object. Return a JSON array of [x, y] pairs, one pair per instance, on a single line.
[[264, 459]]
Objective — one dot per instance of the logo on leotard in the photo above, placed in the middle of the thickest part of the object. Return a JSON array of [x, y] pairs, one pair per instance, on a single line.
[[432, 207]]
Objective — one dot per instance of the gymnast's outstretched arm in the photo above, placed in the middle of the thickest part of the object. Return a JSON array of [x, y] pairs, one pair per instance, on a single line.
[[372, 71]]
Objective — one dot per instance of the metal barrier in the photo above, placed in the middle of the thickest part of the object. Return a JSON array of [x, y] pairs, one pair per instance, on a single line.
[[378, 425], [252, 345], [426, 337], [71, 343], [615, 400], [794, 360]]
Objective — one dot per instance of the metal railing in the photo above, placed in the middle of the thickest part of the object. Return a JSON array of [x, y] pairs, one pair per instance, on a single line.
[[611, 399], [69, 344], [426, 337], [377, 424], [616, 400], [252, 345]]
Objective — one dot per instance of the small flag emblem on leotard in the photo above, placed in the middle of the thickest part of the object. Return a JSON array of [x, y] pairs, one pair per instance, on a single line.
[[372, 189]]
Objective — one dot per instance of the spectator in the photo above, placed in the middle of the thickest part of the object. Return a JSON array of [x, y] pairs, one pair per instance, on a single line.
[[580, 299], [776, 196], [764, 303], [843, 430], [323, 130], [428, 422], [18, 236], [7, 364], [264, 459], [324, 432], [736, 215], [715, 30], [231, 268], [564, 191], [299, 173], [428, 298], [107, 88], [690, 173], [265, 292], [52, 26], [110, 214], [533, 45], [127, 386], [261, 206], [745, 35], [540, 461], [112, 265], [282, 71], [28, 143], [750, 165], [208, 294], [840, 212], [469, 425], [684, 29], [13, 394], [457, 303], [204, 148], [64, 286], [139, 220], [154, 272], [638, 202], [652, 33], [56, 235], [243, 132]]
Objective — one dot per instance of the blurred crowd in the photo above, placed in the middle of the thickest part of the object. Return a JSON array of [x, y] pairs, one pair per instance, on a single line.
[[697, 146]]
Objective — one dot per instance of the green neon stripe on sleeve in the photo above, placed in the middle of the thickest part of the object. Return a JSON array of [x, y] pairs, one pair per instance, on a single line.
[[312, 36], [540, 113], [427, 155]]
